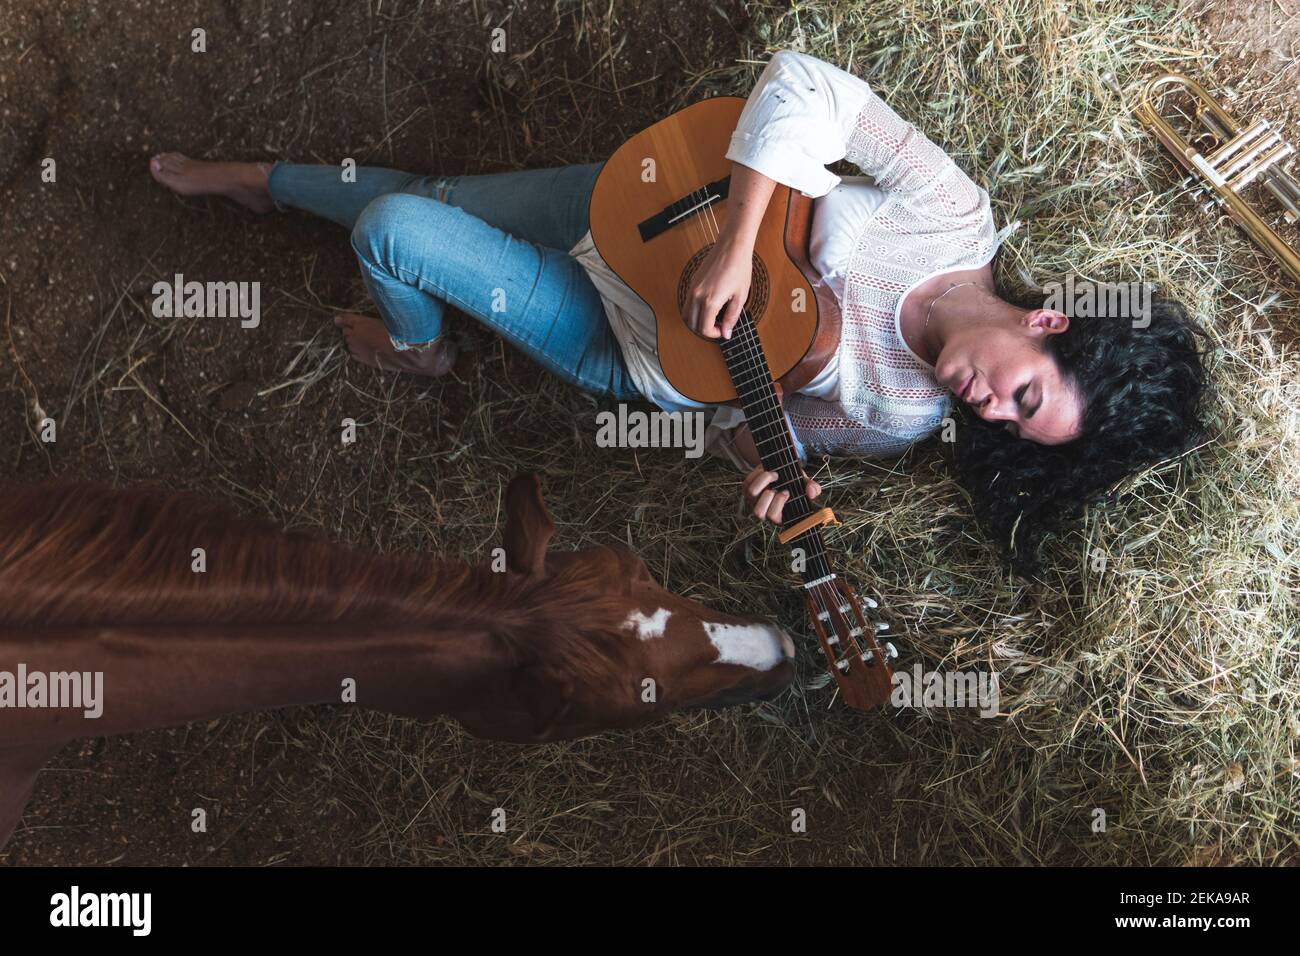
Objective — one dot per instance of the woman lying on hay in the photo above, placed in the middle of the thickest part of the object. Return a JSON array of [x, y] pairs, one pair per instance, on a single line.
[[1056, 409]]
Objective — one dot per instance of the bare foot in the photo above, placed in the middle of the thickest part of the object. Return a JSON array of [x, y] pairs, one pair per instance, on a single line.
[[245, 183], [367, 339]]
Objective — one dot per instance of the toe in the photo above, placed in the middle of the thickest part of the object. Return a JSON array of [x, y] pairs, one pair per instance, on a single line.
[[166, 166]]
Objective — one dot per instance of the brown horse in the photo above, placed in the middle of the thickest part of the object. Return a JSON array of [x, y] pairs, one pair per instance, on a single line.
[[103, 590]]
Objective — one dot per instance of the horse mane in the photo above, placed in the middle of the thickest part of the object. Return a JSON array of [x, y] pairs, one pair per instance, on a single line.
[[75, 554]]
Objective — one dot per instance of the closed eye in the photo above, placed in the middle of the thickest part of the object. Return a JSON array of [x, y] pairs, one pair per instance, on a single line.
[[1020, 400]]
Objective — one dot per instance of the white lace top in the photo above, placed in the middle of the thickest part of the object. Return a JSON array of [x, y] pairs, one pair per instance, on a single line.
[[873, 241]]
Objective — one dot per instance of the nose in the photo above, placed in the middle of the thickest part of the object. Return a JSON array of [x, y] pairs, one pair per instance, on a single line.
[[991, 409]]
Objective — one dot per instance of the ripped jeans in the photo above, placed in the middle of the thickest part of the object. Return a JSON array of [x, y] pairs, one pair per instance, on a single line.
[[494, 246]]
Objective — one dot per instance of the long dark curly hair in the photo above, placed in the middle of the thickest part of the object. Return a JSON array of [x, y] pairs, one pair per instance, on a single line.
[[1143, 391]]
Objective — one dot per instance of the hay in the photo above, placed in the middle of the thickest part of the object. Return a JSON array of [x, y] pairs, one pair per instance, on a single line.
[[1153, 672], [1161, 689]]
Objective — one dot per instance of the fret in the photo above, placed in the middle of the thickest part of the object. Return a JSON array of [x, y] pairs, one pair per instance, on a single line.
[[756, 391]]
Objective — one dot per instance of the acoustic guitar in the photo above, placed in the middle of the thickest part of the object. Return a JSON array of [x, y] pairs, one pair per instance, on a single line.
[[658, 206]]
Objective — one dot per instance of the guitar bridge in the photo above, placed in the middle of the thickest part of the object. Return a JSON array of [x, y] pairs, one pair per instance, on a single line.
[[688, 207]]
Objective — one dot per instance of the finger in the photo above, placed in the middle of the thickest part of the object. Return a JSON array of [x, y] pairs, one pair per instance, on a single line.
[[777, 506], [758, 480], [814, 489], [731, 315], [709, 321], [761, 504]]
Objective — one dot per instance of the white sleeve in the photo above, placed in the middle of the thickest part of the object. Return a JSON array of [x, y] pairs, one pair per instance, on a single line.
[[798, 118], [804, 113]]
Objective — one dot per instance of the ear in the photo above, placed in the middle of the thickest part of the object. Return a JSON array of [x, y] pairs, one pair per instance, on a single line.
[[528, 526], [1046, 321]]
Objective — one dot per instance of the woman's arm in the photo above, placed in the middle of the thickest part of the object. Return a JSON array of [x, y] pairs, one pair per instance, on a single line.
[[721, 284]]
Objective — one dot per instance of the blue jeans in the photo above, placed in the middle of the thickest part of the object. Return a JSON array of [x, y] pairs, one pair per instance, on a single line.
[[495, 247]]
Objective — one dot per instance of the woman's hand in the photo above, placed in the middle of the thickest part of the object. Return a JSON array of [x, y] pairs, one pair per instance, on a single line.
[[765, 501], [719, 288]]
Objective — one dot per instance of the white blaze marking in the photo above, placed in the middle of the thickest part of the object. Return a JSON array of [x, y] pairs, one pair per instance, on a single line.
[[750, 645], [650, 627]]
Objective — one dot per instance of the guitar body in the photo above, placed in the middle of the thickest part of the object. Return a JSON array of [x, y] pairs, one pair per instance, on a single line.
[[663, 172]]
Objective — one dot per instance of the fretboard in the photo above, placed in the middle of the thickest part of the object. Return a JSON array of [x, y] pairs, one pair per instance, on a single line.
[[757, 393]]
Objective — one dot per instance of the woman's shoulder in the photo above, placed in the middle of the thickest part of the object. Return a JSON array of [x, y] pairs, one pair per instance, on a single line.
[[857, 226], [953, 230]]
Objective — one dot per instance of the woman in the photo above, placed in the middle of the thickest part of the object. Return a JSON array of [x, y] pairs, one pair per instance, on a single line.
[[1056, 410]]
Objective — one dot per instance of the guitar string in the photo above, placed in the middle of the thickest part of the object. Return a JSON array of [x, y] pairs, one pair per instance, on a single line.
[[756, 366], [753, 374], [754, 361], [753, 364], [824, 592]]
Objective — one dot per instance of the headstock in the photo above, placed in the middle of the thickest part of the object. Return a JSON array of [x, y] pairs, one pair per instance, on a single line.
[[858, 662]]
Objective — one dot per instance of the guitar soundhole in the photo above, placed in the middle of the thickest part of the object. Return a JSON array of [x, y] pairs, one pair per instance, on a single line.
[[759, 287]]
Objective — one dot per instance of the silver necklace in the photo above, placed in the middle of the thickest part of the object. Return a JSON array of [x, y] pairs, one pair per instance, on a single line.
[[937, 298]]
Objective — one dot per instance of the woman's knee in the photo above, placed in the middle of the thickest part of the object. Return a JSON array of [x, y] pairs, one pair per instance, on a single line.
[[379, 228]]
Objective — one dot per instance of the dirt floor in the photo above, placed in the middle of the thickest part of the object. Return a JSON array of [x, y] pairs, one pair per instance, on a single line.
[[100, 87], [252, 415]]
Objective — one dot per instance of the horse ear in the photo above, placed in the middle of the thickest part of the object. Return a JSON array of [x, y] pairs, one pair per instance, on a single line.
[[528, 526]]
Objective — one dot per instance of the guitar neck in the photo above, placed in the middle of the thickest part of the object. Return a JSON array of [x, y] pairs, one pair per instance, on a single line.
[[752, 377]]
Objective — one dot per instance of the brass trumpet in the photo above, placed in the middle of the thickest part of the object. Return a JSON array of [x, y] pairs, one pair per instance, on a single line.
[[1236, 158]]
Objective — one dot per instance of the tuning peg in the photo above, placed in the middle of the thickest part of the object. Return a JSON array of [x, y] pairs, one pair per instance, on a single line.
[[881, 626], [888, 651]]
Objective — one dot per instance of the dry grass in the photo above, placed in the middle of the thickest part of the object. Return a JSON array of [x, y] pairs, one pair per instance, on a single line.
[[1162, 689]]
